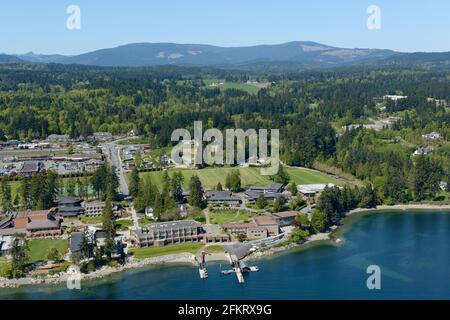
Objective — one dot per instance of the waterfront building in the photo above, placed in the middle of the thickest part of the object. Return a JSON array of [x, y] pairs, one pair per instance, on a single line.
[[34, 224], [163, 233]]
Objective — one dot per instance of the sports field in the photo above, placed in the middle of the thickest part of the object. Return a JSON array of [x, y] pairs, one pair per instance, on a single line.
[[249, 176]]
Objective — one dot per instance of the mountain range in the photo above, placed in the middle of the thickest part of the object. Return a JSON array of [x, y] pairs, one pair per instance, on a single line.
[[290, 55]]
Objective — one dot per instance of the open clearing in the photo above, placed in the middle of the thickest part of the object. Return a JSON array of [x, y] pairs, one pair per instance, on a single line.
[[210, 177]]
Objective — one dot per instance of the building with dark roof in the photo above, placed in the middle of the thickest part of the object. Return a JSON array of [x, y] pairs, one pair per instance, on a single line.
[[34, 224], [270, 192], [163, 233], [31, 167], [69, 207], [222, 198], [75, 242]]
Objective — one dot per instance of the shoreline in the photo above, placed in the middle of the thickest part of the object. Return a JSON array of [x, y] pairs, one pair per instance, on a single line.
[[189, 258]]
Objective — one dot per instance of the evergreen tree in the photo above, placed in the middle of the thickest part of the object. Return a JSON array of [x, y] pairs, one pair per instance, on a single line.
[[134, 183], [109, 227], [196, 192], [261, 202], [219, 187], [158, 206], [6, 195], [19, 255], [176, 185]]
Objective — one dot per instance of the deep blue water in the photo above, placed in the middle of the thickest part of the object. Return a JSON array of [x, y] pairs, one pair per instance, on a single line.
[[412, 250]]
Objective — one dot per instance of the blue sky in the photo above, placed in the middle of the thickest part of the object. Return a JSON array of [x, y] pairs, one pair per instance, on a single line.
[[40, 26]]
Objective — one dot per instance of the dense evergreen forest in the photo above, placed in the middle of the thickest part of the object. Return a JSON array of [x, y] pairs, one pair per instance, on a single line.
[[310, 108]]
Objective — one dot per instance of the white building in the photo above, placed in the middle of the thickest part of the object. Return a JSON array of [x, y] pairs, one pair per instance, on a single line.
[[311, 190]]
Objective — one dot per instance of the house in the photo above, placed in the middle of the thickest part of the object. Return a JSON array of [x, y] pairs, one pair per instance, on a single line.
[[163, 233], [223, 198], [69, 207], [432, 136], [34, 224], [31, 167], [286, 218], [394, 97], [423, 152], [96, 237], [311, 190], [75, 242], [149, 213], [5, 245], [252, 196]]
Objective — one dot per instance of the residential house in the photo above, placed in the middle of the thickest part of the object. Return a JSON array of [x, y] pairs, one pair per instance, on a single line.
[[5, 245], [423, 152], [432, 136]]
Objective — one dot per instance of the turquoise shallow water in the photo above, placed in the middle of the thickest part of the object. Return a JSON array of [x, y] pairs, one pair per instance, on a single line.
[[412, 250]]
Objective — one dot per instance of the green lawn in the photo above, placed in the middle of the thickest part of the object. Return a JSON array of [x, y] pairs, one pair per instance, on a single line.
[[250, 88], [39, 248], [226, 216], [91, 220], [214, 248], [123, 224], [249, 176], [211, 176], [306, 176], [149, 252], [145, 221]]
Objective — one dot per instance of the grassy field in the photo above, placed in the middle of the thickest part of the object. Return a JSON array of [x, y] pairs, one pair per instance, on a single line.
[[39, 248], [226, 216], [214, 248], [149, 252], [91, 220], [250, 88], [306, 176], [249, 176]]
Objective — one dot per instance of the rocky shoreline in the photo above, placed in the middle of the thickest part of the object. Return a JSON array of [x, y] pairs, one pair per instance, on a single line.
[[182, 258], [188, 258]]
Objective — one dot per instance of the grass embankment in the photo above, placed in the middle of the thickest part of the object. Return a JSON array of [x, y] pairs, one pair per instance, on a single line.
[[150, 252], [227, 216], [249, 176], [40, 248]]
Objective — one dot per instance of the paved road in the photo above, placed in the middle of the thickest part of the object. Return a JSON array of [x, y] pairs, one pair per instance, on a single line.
[[114, 157], [113, 154]]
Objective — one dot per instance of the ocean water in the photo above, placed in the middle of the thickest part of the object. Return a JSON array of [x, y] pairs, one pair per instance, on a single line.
[[412, 250]]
